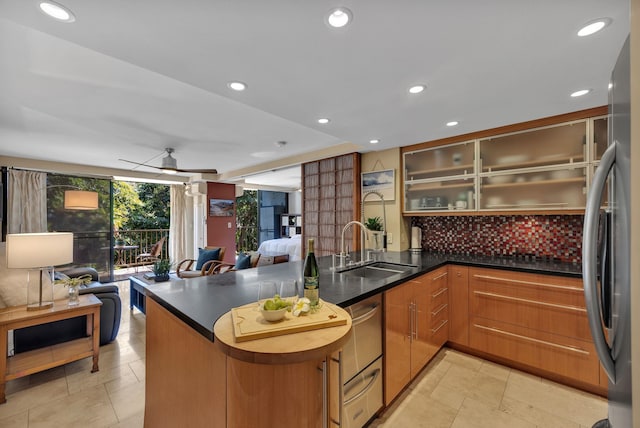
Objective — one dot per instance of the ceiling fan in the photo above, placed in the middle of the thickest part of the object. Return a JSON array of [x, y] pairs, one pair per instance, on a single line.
[[170, 165]]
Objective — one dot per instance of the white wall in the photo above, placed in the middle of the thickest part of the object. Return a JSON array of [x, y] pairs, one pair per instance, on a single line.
[[295, 202]]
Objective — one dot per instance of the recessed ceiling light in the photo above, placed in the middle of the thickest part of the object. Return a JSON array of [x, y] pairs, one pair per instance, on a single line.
[[580, 93], [416, 89], [594, 26], [374, 141], [57, 11], [237, 86], [323, 121], [452, 123], [339, 17]]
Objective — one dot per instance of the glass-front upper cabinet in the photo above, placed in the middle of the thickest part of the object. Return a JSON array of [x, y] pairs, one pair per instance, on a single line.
[[551, 189], [552, 145], [440, 178], [600, 137]]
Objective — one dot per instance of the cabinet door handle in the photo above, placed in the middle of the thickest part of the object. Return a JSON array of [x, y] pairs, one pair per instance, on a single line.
[[410, 322], [440, 276], [537, 284], [340, 390], [531, 302], [439, 292], [531, 339], [442, 324], [415, 322], [325, 388], [437, 311]]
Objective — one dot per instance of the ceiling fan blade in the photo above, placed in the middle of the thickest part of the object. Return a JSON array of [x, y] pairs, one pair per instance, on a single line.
[[203, 171], [169, 163], [138, 163]]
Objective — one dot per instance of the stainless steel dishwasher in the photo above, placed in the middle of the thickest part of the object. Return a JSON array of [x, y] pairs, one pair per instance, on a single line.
[[361, 364]]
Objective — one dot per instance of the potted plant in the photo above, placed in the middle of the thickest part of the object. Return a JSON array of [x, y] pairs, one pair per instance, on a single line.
[[161, 270], [375, 226], [74, 286], [373, 223]]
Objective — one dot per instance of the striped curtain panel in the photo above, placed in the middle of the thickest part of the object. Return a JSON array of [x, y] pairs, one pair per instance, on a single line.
[[27, 201]]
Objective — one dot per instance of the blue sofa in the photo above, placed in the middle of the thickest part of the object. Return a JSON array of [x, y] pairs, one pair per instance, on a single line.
[[26, 339]]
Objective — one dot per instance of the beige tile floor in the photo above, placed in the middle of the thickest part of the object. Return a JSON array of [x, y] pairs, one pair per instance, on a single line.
[[456, 390], [460, 391]]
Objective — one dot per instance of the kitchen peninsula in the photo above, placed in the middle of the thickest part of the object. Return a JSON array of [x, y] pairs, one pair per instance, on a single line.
[[181, 340]]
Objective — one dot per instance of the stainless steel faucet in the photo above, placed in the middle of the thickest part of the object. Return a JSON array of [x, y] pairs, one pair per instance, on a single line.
[[384, 217], [343, 254]]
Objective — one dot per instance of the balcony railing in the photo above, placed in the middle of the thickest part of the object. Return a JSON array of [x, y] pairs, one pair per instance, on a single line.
[[136, 242]]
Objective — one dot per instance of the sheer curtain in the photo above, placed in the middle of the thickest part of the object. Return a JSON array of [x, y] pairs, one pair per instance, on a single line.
[[178, 226], [27, 201]]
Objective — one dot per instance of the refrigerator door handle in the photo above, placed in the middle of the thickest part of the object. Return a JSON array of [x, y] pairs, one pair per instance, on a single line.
[[589, 260], [603, 261]]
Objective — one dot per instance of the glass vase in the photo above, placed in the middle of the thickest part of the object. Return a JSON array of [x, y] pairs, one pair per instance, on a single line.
[[74, 292]]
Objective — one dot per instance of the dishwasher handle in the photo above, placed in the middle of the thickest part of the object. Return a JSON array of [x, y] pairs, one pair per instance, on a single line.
[[366, 316], [366, 389]]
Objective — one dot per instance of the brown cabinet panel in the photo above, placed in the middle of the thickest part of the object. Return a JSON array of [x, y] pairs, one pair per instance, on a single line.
[[416, 327], [459, 304], [397, 352], [569, 357], [532, 319], [545, 303]]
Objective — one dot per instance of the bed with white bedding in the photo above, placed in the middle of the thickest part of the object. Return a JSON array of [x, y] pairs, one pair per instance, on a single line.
[[291, 246]]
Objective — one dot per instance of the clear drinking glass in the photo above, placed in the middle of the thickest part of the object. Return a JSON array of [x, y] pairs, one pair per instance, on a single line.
[[289, 290], [266, 290]]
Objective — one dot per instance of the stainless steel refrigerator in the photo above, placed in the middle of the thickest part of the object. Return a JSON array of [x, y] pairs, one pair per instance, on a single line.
[[606, 251]]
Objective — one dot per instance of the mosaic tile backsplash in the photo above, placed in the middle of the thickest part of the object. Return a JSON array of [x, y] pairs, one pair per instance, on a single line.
[[556, 237]]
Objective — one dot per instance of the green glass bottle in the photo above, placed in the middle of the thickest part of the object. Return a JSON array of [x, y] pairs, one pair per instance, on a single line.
[[311, 275]]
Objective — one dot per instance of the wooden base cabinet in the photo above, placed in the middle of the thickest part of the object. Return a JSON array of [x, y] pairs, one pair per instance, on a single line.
[[534, 320], [459, 305], [416, 327]]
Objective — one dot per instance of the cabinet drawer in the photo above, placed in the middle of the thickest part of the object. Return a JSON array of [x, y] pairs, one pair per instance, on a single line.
[[553, 318], [438, 296], [564, 356], [547, 288], [549, 304], [439, 328]]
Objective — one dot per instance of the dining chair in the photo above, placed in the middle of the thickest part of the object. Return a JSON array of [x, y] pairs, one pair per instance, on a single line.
[[151, 256]]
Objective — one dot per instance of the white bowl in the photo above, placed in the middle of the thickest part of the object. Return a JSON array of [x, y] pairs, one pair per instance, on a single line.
[[500, 179], [512, 159], [562, 174], [273, 316]]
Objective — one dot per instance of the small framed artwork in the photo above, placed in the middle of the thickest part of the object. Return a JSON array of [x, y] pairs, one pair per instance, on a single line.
[[383, 182], [221, 207]]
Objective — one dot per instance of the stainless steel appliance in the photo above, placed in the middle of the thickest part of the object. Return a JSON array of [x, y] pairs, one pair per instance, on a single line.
[[361, 364], [606, 261]]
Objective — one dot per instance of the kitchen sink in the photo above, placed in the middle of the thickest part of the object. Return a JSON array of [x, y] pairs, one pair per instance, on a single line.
[[379, 270]]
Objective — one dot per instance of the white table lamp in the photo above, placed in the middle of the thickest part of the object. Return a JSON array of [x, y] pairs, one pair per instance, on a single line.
[[41, 252]]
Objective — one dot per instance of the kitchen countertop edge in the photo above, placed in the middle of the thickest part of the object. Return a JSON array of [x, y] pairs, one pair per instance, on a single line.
[[183, 298]]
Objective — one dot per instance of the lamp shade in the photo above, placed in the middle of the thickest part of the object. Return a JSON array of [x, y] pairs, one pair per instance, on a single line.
[[38, 250], [80, 200]]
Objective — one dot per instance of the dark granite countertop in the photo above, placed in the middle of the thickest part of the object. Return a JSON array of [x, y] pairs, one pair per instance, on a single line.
[[199, 302]]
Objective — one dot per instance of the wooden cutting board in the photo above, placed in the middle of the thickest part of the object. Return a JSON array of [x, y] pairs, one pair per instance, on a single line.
[[249, 324]]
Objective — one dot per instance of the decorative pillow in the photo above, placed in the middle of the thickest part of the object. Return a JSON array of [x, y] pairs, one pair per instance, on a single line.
[[243, 261], [206, 255]]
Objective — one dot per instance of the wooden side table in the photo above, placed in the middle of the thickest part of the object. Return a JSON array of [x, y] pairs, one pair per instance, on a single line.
[[40, 359]]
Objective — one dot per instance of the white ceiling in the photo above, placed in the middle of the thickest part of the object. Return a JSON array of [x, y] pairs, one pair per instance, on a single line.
[[129, 78]]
